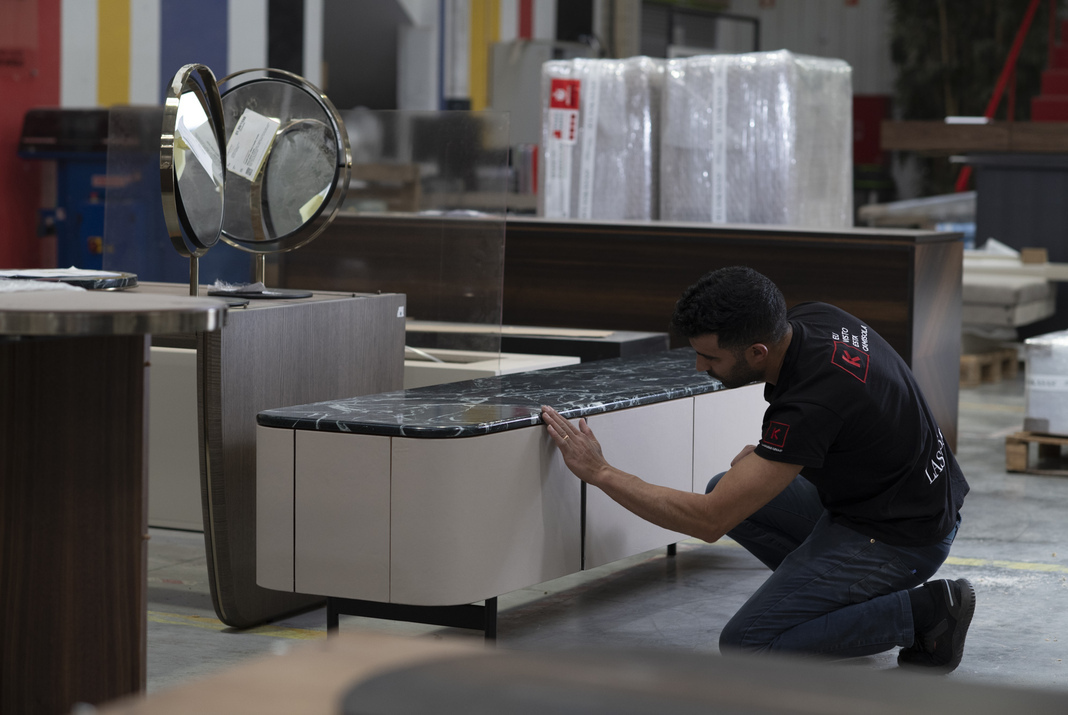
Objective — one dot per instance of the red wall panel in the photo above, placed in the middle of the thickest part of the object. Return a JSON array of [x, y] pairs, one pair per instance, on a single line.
[[19, 178]]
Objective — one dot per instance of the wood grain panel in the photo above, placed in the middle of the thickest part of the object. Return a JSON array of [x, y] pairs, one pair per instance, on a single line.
[[626, 279], [275, 355], [936, 335], [73, 525], [453, 267]]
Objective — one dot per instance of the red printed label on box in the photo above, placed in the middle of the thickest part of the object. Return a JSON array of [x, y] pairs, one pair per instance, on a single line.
[[564, 94], [563, 125]]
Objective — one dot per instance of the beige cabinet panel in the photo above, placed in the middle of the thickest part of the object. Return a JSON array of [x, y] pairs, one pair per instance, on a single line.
[[724, 423], [477, 517], [342, 489], [274, 508], [173, 451], [653, 442]]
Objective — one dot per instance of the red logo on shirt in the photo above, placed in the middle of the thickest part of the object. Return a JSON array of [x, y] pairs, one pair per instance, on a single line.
[[775, 434], [852, 360]]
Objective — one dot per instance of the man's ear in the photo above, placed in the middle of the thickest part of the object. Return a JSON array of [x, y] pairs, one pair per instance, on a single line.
[[756, 354]]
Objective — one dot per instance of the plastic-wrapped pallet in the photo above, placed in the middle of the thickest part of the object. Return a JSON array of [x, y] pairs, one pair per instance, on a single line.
[[1046, 392], [763, 137], [600, 138]]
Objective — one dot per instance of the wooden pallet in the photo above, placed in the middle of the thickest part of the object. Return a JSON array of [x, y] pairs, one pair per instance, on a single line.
[[994, 366], [1050, 458]]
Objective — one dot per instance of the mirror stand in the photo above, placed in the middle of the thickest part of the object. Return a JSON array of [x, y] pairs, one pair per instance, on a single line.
[[194, 276]]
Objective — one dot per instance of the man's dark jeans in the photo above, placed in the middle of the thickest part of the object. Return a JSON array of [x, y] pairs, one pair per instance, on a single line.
[[834, 592]]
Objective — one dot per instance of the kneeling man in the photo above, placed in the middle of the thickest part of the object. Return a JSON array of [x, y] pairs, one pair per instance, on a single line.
[[851, 496]]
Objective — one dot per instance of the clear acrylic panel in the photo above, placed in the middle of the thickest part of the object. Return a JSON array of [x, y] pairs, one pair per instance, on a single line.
[[135, 231], [424, 215]]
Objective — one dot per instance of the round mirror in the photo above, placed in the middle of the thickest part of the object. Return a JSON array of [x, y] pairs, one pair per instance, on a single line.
[[192, 162], [288, 160]]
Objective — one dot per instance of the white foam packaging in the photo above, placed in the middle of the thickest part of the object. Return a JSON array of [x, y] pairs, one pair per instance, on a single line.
[[1046, 390], [600, 138], [762, 138]]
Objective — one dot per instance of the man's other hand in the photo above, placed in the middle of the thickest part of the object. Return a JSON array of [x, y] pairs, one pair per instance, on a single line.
[[746, 451]]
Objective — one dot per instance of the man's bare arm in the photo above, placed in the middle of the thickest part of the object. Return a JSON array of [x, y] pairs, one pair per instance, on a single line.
[[751, 482]]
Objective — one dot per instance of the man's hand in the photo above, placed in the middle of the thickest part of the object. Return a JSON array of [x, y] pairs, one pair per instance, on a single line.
[[580, 449], [746, 487], [746, 451]]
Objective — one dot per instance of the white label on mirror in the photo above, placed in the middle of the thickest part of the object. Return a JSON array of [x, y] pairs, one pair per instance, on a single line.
[[249, 142]]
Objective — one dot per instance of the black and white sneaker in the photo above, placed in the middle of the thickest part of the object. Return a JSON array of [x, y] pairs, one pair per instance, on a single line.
[[939, 648]]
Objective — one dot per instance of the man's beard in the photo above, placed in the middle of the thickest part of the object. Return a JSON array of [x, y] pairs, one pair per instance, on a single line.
[[740, 376]]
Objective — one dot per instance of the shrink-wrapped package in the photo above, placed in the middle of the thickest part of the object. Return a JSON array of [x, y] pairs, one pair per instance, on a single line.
[[1046, 392], [763, 137], [600, 138]]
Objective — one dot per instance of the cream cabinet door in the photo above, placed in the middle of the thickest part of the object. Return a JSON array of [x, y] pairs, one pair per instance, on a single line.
[[724, 422], [476, 517], [341, 517], [654, 442]]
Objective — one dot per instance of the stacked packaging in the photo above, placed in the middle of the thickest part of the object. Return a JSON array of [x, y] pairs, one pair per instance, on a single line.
[[764, 138], [1046, 393], [600, 138]]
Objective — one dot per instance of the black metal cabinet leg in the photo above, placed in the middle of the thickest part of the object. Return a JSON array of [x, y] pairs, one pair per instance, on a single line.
[[331, 617], [489, 616], [671, 549]]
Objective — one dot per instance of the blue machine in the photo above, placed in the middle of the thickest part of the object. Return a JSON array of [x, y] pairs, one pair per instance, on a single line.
[[131, 234], [75, 140]]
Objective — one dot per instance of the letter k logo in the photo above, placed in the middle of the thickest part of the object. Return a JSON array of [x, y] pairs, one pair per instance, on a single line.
[[775, 435], [855, 363]]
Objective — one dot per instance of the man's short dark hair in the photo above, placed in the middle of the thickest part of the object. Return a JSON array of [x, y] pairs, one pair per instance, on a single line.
[[742, 307]]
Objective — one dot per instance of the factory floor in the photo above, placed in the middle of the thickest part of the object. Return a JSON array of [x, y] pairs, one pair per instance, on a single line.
[[1013, 546]]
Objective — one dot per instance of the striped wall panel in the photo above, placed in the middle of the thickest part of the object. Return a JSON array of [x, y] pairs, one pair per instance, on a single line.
[[126, 51]]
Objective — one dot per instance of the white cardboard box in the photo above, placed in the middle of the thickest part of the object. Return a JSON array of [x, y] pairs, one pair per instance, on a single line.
[[1046, 392]]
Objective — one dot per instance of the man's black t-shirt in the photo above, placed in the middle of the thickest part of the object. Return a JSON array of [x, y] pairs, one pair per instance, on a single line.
[[847, 408]]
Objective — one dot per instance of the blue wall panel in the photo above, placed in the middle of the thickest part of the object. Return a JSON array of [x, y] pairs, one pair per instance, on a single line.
[[192, 31]]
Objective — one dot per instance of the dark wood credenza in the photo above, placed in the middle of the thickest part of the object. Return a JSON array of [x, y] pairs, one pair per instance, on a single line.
[[273, 353], [627, 275], [73, 508]]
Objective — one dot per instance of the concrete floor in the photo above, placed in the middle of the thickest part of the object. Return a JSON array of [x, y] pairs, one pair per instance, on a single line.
[[1013, 546]]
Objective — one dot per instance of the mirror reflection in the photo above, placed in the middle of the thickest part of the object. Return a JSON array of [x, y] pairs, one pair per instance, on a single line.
[[301, 170], [199, 169], [287, 161], [192, 168]]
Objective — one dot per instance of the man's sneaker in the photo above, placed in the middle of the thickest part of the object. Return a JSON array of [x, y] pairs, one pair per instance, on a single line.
[[939, 649]]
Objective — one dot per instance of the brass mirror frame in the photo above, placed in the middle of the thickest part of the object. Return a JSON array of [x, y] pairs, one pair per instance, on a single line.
[[200, 80]]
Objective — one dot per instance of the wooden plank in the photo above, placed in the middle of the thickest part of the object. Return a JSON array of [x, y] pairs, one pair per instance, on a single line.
[[1051, 460], [993, 366], [937, 137], [941, 138]]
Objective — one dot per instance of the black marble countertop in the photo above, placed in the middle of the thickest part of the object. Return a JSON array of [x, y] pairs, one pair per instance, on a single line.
[[495, 404]]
